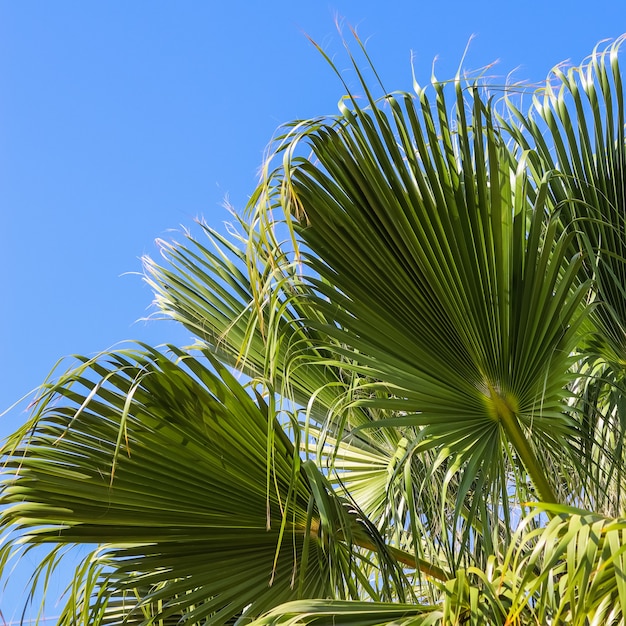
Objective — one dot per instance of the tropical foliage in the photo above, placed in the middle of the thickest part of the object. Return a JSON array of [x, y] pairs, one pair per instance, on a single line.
[[405, 402]]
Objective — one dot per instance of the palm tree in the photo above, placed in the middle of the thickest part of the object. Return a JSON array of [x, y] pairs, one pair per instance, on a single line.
[[404, 404]]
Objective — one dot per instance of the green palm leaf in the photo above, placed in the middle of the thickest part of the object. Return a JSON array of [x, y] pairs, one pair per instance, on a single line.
[[347, 614], [457, 299], [194, 487], [572, 570]]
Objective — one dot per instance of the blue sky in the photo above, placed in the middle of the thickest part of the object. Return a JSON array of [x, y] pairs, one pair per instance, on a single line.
[[122, 120]]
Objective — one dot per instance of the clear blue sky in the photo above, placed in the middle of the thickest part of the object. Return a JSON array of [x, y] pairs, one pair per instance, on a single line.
[[120, 120]]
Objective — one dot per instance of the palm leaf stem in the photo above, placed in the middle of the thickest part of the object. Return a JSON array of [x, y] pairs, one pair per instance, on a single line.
[[505, 414]]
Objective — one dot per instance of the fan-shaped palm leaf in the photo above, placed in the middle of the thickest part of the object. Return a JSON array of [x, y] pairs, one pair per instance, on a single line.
[[456, 299], [196, 489]]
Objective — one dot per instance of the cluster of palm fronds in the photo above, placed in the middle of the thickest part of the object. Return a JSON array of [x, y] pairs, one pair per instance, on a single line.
[[427, 305]]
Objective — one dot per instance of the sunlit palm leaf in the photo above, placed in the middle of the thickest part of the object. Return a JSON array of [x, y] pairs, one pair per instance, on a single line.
[[444, 285], [349, 614], [573, 570], [195, 488]]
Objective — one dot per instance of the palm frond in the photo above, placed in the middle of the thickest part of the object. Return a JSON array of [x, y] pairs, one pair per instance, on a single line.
[[345, 613], [193, 486], [458, 301]]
